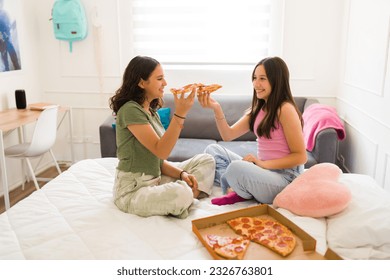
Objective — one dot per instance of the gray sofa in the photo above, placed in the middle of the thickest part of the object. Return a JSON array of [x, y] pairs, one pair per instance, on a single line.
[[200, 130]]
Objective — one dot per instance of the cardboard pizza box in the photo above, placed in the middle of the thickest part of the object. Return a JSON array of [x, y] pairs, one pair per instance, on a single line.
[[304, 250]]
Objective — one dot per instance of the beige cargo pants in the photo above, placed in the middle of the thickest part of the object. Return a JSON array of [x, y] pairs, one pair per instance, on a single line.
[[145, 195]]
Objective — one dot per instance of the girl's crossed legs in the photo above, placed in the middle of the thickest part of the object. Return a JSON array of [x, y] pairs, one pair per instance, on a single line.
[[246, 179]]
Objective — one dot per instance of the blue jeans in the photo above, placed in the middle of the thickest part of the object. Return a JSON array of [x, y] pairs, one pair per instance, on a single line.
[[247, 179]]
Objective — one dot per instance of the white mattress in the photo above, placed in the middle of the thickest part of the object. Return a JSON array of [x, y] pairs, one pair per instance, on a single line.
[[73, 217]]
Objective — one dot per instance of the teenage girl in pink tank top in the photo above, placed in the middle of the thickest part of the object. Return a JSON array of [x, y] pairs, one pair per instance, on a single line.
[[277, 123]]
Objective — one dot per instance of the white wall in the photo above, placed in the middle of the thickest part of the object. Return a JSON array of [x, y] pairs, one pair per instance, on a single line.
[[313, 46], [73, 80], [28, 78], [364, 96]]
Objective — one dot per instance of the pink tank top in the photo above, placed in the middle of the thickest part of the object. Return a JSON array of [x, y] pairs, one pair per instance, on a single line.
[[273, 148]]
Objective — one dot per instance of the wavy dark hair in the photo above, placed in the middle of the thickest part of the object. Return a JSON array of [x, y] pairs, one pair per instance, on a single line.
[[278, 77], [140, 67]]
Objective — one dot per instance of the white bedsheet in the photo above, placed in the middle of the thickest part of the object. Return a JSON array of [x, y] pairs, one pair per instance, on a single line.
[[73, 217]]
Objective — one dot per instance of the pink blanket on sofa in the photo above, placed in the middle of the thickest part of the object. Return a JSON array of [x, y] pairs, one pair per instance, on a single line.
[[318, 117]]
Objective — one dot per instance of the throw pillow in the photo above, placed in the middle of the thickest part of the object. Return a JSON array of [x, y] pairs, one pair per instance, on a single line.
[[315, 193], [165, 114]]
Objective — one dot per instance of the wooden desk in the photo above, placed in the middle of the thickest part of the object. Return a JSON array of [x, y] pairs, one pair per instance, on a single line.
[[12, 119]]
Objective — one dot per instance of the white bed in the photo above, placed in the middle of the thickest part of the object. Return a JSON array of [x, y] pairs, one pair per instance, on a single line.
[[73, 217]]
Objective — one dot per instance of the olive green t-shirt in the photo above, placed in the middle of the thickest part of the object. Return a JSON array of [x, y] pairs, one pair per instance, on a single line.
[[133, 156]]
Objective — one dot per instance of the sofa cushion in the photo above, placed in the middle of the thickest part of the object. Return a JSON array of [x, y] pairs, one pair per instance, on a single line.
[[186, 148], [165, 116]]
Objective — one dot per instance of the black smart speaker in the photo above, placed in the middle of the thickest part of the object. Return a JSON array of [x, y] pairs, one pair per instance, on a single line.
[[20, 98]]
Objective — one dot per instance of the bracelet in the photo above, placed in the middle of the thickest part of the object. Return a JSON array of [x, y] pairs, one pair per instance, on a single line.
[[180, 117], [181, 173]]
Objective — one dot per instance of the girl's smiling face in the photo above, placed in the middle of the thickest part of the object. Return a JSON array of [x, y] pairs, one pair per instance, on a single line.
[[261, 83], [154, 85]]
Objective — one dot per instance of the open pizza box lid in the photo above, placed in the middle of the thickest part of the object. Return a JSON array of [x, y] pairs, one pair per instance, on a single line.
[[304, 250]]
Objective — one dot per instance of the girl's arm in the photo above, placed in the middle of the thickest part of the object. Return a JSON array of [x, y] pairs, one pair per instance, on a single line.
[[170, 170], [292, 128], [162, 147], [226, 131], [175, 172]]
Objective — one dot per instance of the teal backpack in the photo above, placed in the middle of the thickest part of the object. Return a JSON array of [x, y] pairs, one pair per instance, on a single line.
[[69, 21]]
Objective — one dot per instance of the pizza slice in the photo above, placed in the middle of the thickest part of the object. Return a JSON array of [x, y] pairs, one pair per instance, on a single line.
[[208, 88], [185, 89], [275, 236], [242, 226], [200, 87], [267, 232], [232, 248]]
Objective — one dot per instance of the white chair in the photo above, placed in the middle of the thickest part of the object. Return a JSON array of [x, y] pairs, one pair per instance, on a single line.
[[43, 139]]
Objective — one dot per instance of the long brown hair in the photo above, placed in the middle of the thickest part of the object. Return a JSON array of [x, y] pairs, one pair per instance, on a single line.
[[140, 67], [278, 77]]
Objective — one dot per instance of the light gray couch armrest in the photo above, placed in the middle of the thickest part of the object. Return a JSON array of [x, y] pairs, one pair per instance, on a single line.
[[107, 138], [325, 149]]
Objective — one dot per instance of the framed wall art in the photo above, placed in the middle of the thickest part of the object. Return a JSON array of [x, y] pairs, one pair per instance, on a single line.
[[9, 44]]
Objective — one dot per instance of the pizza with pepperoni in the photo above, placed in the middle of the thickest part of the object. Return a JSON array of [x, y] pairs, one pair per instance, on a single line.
[[232, 248], [267, 232]]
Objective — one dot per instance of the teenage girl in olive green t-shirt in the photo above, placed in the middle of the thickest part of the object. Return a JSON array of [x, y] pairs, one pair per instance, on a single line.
[[146, 183]]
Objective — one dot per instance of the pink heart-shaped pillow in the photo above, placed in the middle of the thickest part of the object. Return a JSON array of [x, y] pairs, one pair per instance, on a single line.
[[315, 193]]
